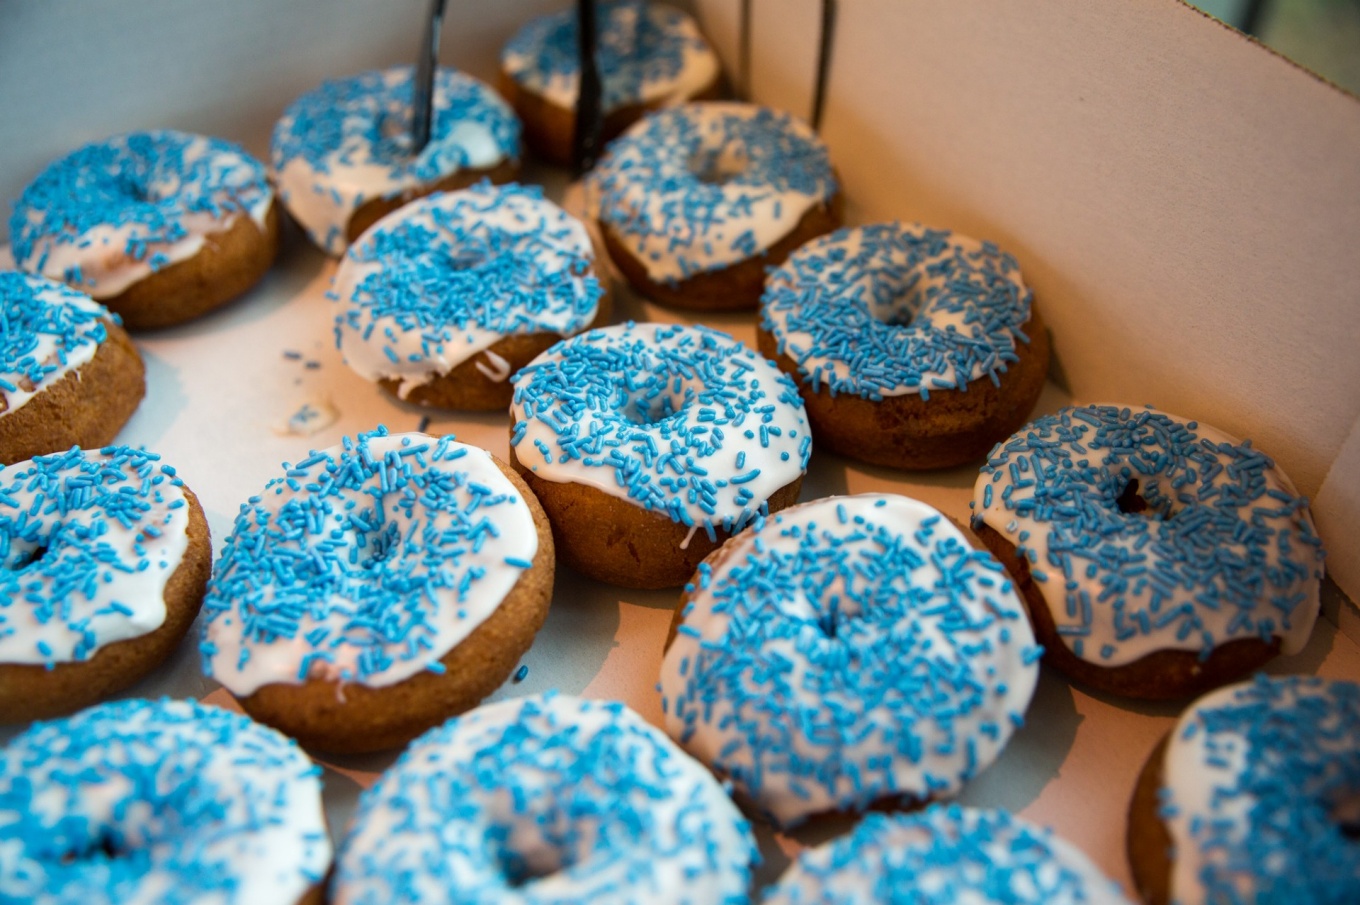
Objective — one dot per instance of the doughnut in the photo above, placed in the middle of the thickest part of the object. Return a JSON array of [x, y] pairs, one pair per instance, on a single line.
[[341, 153], [69, 375], [377, 588], [160, 801], [545, 799], [848, 652], [1158, 557], [697, 200], [942, 856], [913, 347], [649, 444], [446, 298], [649, 56], [161, 226], [1254, 796], [103, 560]]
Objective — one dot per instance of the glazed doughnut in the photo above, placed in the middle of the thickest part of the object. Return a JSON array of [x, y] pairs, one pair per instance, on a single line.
[[377, 588], [160, 801], [649, 56], [912, 347], [648, 444], [69, 375], [696, 201], [105, 557], [943, 856], [446, 298], [341, 153], [802, 667], [546, 799], [1159, 557], [160, 226], [1254, 796]]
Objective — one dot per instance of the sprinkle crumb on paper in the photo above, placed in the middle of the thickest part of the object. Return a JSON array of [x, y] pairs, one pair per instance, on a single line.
[[310, 417]]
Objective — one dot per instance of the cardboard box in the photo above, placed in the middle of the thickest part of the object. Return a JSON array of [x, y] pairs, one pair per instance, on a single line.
[[1185, 204]]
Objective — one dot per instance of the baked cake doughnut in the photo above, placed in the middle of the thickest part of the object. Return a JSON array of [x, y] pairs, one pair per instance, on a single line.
[[650, 444], [945, 856], [160, 801], [1159, 557], [696, 201], [160, 226], [445, 299], [377, 588], [1254, 796], [809, 666], [546, 799], [649, 56], [105, 557], [341, 153], [912, 347], [69, 375]]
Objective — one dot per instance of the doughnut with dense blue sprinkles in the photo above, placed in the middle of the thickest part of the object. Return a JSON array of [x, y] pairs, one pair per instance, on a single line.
[[347, 143], [943, 856], [846, 652], [684, 422], [365, 563], [113, 212], [545, 799], [1145, 532], [46, 332], [445, 278], [1261, 783], [647, 53], [171, 802], [88, 542], [704, 186], [894, 308]]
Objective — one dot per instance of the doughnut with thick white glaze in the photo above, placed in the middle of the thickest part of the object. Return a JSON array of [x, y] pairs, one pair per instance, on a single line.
[[848, 652]]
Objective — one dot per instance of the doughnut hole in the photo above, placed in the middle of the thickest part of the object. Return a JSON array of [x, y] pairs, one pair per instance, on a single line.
[[33, 691], [719, 166]]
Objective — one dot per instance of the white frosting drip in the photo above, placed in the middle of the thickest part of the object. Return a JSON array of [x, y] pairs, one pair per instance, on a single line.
[[646, 181], [47, 511], [323, 195], [404, 820], [1104, 633], [377, 345], [718, 736], [100, 253], [51, 350], [698, 64], [450, 614]]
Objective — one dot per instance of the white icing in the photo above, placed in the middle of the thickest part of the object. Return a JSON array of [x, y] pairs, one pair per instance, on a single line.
[[1103, 630], [636, 83], [1008, 866], [261, 792], [322, 194], [448, 614], [56, 512], [101, 253], [49, 349], [717, 736], [647, 179], [781, 460], [404, 337], [664, 856]]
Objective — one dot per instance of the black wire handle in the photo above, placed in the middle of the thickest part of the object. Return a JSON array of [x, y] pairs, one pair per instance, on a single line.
[[585, 144], [423, 91], [744, 50], [823, 61]]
